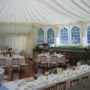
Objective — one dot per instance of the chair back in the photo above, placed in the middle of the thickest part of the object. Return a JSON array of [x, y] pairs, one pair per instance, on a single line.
[[74, 82], [15, 61], [2, 62], [61, 85], [84, 79], [35, 55], [43, 59], [54, 59], [53, 87]]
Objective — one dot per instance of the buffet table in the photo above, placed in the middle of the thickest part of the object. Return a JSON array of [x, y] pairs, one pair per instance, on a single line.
[[45, 81]]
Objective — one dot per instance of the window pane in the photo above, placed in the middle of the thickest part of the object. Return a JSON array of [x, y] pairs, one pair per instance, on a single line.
[[40, 36], [88, 35], [75, 35], [50, 37], [64, 36]]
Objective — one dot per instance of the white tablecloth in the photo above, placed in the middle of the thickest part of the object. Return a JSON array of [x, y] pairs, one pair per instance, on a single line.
[[9, 59], [1, 73], [60, 57], [43, 82]]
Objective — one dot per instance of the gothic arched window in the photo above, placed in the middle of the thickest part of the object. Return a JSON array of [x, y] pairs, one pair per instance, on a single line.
[[75, 35], [50, 37], [64, 36], [88, 34], [40, 36]]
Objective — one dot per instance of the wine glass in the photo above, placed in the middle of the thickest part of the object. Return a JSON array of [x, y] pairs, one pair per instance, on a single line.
[[15, 77], [46, 74], [0, 84]]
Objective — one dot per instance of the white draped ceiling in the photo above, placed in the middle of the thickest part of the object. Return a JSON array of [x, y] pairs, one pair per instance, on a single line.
[[44, 11]]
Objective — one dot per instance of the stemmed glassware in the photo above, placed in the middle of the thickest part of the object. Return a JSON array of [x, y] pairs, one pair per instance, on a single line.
[[15, 78], [0, 84], [46, 74]]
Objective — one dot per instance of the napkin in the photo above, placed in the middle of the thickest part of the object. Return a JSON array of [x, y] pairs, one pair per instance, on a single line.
[[26, 89], [29, 79]]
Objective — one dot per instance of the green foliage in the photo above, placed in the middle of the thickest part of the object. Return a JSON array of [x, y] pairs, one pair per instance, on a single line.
[[88, 62], [68, 48], [37, 49], [40, 47]]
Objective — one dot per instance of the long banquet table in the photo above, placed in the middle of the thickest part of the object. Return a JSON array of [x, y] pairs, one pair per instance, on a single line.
[[43, 81]]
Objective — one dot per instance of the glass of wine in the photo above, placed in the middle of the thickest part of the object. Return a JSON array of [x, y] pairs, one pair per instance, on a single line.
[[46, 74]]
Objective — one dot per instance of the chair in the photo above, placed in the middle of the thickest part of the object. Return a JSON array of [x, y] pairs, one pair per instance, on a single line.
[[74, 82], [9, 74], [24, 66], [79, 88], [2, 63], [54, 60], [15, 64], [15, 67], [84, 79], [51, 53], [53, 87], [6, 68], [35, 55], [23, 53], [36, 65], [43, 62], [61, 85], [62, 62], [37, 62]]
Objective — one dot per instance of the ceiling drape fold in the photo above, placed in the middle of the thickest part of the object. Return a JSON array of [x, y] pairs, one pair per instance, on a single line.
[[44, 11]]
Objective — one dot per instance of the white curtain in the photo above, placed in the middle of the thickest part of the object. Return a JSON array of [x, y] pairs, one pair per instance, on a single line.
[[14, 41], [15, 28]]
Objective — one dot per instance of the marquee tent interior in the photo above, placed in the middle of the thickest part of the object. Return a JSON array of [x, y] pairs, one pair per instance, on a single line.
[[24, 24], [43, 11], [20, 19]]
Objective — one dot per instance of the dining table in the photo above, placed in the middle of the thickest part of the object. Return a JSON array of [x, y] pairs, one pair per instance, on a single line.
[[43, 81], [9, 59], [60, 57]]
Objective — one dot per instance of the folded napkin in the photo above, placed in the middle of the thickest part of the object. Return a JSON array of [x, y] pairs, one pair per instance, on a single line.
[[45, 82], [29, 79], [32, 86], [26, 89]]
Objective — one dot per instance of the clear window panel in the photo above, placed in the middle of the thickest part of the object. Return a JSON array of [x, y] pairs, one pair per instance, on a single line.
[[88, 35], [75, 32], [40, 36], [50, 37], [64, 36]]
